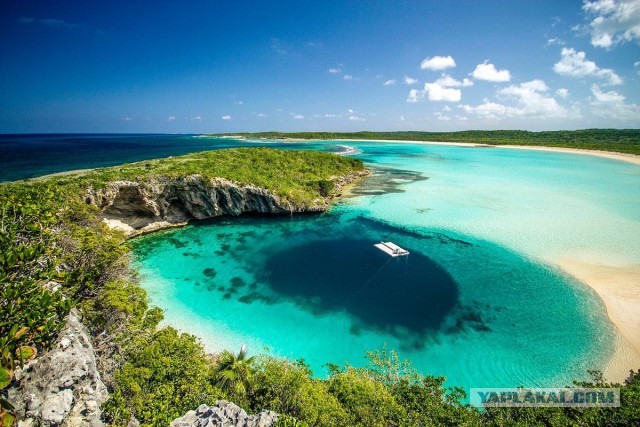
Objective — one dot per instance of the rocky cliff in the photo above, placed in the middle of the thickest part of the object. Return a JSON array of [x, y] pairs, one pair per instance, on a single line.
[[225, 414], [141, 207], [62, 387]]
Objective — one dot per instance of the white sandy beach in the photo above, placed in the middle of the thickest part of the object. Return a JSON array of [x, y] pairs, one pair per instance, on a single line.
[[625, 157], [619, 288]]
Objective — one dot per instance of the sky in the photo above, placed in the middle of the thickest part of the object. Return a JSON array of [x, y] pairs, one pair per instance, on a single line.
[[246, 66]]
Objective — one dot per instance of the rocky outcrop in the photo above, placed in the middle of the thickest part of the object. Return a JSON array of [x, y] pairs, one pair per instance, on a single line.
[[62, 387], [141, 207], [225, 414]]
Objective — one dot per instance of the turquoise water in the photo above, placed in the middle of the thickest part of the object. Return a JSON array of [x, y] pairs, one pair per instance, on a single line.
[[478, 300]]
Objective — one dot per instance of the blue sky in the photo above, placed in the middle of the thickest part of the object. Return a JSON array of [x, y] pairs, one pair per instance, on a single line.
[[226, 66]]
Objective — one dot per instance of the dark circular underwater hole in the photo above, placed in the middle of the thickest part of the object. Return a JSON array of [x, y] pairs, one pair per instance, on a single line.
[[407, 293]]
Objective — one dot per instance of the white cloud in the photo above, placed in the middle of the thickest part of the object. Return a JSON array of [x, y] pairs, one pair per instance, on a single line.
[[347, 77], [171, 118], [533, 100], [357, 118], [448, 81], [298, 116], [410, 80], [488, 71], [436, 92], [490, 110], [562, 93], [262, 115], [530, 100], [441, 116], [614, 22], [611, 105], [390, 82], [415, 95], [226, 117], [440, 90], [575, 64], [239, 102], [334, 70], [438, 63], [48, 22], [553, 41], [127, 119], [402, 119], [278, 47]]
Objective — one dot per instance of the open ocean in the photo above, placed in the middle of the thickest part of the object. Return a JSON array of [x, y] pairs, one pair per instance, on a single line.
[[479, 299]]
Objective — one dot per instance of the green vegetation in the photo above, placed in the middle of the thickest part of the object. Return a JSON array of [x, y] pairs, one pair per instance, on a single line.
[[234, 373], [297, 176], [55, 253], [618, 140]]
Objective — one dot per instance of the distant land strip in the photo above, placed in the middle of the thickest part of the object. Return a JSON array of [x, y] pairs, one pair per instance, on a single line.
[[616, 140]]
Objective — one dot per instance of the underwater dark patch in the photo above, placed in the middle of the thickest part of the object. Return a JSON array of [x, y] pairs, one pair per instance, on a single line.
[[238, 282], [405, 294], [256, 296], [210, 272], [384, 181], [384, 229], [177, 242]]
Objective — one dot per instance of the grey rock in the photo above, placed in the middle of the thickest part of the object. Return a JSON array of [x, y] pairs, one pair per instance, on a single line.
[[224, 414], [62, 387], [162, 202]]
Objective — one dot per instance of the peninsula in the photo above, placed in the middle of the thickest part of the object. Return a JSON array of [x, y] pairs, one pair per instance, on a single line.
[[57, 253]]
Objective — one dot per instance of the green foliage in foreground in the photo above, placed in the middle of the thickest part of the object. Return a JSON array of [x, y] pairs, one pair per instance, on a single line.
[[619, 140], [56, 253]]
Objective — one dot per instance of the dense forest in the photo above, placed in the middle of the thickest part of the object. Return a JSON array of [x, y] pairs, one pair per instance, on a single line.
[[619, 140], [49, 234]]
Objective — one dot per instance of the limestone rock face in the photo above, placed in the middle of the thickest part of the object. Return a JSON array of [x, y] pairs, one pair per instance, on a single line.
[[62, 387], [144, 207], [225, 414], [141, 207]]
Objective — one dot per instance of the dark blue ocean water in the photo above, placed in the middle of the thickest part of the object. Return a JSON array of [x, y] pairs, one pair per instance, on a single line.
[[28, 156]]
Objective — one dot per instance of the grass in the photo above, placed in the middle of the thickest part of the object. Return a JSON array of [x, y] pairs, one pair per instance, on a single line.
[[296, 176]]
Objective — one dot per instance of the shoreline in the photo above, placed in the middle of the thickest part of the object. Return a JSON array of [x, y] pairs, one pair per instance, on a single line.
[[619, 289], [625, 157]]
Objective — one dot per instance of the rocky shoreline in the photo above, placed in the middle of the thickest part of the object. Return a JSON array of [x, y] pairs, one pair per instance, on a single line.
[[143, 207], [63, 387]]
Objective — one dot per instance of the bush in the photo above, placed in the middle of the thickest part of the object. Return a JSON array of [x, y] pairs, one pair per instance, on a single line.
[[168, 376], [287, 387]]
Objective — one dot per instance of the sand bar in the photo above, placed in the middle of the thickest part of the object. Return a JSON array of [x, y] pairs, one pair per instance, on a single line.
[[625, 157]]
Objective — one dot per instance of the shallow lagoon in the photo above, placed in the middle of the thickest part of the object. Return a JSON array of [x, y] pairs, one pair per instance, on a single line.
[[477, 300]]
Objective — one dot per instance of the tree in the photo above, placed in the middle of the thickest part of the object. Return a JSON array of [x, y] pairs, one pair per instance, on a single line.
[[234, 373]]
